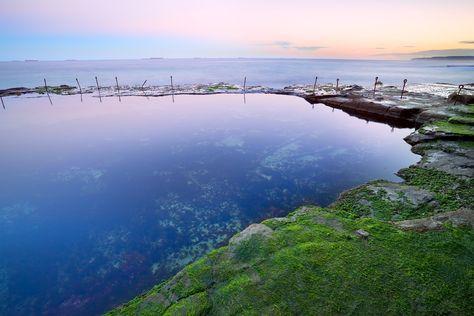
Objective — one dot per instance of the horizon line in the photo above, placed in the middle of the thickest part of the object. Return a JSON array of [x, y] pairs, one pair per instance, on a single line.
[[160, 58]]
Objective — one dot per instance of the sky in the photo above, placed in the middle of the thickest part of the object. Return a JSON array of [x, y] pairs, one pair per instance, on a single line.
[[117, 29]]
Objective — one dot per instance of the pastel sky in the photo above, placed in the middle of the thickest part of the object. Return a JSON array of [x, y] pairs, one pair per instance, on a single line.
[[373, 29]]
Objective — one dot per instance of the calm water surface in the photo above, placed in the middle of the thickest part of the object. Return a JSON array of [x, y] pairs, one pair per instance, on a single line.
[[99, 201], [275, 73]]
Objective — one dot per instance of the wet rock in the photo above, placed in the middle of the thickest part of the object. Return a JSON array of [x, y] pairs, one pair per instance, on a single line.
[[448, 156], [251, 231], [327, 221], [461, 98], [431, 115], [462, 217], [396, 192], [458, 165], [304, 210], [15, 91], [379, 109], [362, 233], [416, 138], [353, 88], [364, 202]]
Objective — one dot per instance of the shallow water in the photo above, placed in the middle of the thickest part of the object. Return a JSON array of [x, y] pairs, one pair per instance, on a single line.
[[101, 200], [275, 73]]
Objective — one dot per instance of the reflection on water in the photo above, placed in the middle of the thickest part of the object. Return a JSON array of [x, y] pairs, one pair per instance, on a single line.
[[99, 201]]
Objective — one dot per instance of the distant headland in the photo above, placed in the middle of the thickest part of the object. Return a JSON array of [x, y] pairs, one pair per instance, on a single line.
[[446, 58]]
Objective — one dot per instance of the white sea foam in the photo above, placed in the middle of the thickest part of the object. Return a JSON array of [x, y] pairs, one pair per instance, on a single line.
[[438, 89]]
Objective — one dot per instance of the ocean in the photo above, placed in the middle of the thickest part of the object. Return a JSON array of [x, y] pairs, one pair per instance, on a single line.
[[275, 73]]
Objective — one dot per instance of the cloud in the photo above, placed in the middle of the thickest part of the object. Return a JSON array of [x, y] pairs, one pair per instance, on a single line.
[[466, 42], [282, 44], [409, 46], [290, 45], [379, 47], [308, 48]]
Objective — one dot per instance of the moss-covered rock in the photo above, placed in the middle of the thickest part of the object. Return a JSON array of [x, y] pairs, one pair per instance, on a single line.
[[450, 129], [386, 201], [450, 191], [62, 89]]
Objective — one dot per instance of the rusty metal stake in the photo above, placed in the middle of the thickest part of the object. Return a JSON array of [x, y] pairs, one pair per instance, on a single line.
[[118, 89], [3, 104], [143, 89], [315, 83], [47, 92], [403, 89], [98, 88], [172, 88], [79, 85], [337, 84], [375, 84], [80, 88], [461, 86], [245, 84]]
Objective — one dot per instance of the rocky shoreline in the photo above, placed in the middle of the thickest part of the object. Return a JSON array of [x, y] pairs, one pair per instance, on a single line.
[[383, 247], [384, 105]]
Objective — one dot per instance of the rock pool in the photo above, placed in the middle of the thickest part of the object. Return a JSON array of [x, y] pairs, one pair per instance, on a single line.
[[101, 200]]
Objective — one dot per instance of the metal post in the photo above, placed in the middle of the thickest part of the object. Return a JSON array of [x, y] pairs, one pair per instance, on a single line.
[[118, 89], [245, 88], [143, 88], [80, 89], [47, 92], [375, 84], [3, 104], [172, 88], [98, 88], [315, 83], [403, 89], [337, 84], [461, 86], [79, 85]]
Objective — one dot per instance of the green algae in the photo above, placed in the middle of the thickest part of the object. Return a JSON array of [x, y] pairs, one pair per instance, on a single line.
[[54, 89], [463, 109], [221, 87], [462, 130], [197, 304], [451, 192], [466, 119], [365, 202]]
